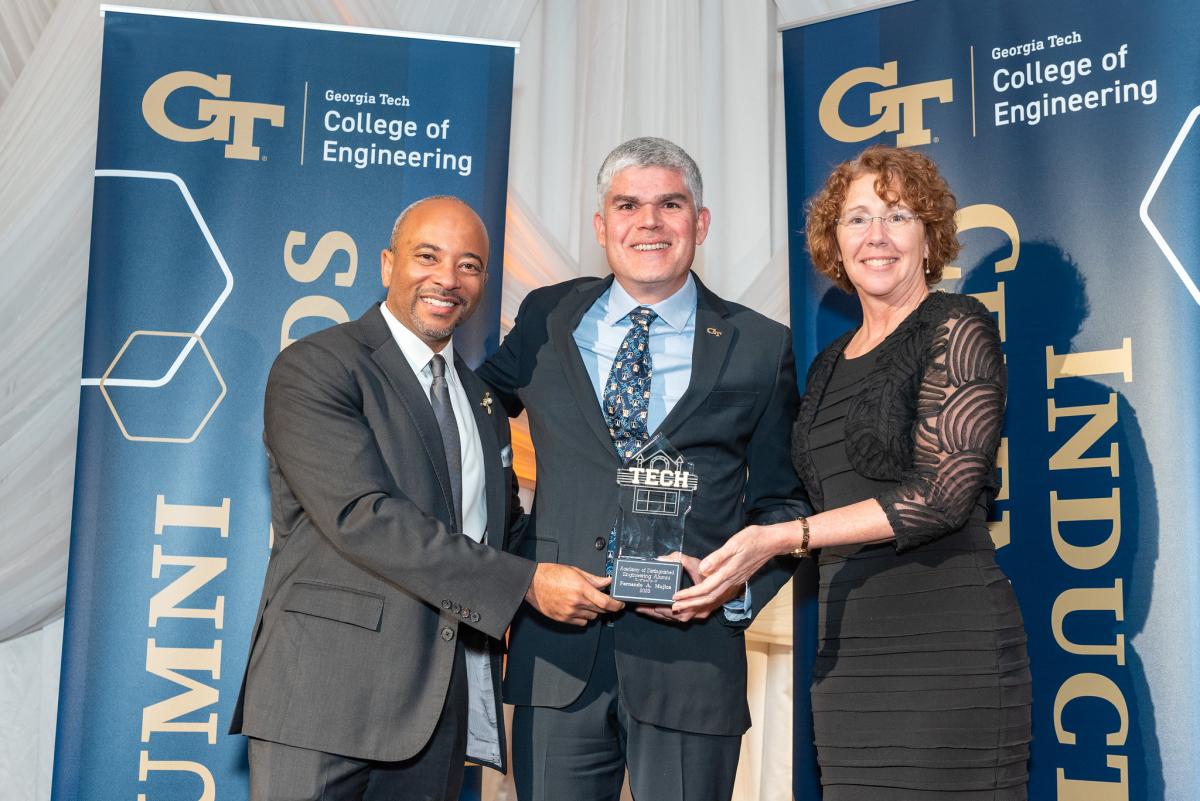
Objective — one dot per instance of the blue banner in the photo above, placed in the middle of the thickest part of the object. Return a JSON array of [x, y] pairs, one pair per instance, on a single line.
[[247, 176], [1066, 130]]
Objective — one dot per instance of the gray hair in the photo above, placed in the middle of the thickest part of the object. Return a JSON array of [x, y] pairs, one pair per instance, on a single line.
[[403, 216], [650, 151]]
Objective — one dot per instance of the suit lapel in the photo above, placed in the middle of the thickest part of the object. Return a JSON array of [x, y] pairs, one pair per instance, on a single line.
[[493, 477], [395, 368], [561, 324], [715, 334]]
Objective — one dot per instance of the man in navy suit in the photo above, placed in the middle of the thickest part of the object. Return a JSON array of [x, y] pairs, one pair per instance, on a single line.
[[600, 365]]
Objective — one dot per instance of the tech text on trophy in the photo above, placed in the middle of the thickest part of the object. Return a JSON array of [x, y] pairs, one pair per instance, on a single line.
[[656, 496]]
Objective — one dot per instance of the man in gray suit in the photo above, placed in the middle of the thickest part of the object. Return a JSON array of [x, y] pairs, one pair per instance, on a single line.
[[374, 662], [600, 365]]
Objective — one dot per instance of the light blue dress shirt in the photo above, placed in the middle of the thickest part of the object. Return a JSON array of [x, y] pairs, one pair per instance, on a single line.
[[602, 330]]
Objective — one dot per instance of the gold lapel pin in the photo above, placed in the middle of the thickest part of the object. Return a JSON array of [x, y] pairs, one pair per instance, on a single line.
[[714, 332], [487, 402]]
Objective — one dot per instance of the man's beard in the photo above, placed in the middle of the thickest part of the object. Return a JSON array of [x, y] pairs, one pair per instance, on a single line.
[[438, 333]]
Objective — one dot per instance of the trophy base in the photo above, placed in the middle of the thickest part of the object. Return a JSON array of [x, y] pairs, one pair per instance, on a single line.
[[645, 581]]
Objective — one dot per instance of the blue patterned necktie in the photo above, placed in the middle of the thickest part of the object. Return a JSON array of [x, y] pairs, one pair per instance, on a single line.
[[627, 398]]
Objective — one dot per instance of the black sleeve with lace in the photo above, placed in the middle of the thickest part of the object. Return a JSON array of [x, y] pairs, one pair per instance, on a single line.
[[960, 411]]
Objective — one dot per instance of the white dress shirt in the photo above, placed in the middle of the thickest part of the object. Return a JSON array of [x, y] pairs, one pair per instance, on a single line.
[[483, 733]]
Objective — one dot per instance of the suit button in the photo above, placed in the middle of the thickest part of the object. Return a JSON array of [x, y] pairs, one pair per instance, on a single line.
[[445, 604], [474, 617], [447, 633], [600, 541]]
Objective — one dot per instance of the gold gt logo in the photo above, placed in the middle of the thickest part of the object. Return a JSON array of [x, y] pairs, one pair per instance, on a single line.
[[898, 109], [228, 120]]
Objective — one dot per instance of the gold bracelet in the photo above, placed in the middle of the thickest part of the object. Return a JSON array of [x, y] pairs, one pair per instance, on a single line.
[[802, 551]]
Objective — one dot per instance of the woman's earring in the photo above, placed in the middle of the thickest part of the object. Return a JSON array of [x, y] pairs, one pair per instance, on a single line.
[[927, 266]]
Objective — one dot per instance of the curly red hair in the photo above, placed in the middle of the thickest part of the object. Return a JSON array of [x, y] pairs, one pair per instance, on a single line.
[[900, 176]]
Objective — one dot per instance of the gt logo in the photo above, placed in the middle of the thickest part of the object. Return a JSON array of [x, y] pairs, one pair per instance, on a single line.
[[229, 121], [886, 104]]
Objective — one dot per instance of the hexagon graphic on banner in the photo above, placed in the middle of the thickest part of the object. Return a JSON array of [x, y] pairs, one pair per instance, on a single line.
[[184, 388], [184, 414], [1185, 271]]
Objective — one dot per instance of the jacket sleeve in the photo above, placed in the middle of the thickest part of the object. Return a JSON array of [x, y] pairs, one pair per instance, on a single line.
[[960, 412], [327, 453], [502, 371]]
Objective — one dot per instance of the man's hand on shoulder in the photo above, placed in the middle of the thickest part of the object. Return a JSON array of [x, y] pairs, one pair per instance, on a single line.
[[569, 595]]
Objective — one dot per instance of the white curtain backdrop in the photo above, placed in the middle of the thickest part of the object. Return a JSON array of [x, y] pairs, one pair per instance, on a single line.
[[590, 74]]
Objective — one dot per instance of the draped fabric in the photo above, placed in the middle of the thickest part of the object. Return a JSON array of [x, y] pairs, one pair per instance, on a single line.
[[589, 74]]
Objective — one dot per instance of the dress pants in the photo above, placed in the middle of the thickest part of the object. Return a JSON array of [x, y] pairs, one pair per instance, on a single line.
[[281, 772], [580, 752]]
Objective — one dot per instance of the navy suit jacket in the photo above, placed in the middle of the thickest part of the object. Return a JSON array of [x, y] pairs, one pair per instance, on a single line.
[[733, 423]]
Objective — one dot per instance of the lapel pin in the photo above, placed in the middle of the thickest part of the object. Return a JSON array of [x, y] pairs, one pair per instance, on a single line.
[[714, 332], [487, 402]]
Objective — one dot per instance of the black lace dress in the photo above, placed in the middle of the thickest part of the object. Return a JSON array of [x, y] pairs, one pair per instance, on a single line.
[[921, 685]]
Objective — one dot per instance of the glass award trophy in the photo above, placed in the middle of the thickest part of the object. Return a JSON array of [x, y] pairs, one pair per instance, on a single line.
[[656, 496]]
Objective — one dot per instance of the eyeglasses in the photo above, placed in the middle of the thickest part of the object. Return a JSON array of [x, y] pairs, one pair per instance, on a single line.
[[894, 221]]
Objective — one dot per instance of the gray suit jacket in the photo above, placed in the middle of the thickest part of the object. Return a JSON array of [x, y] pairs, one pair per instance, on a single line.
[[733, 423], [368, 583]]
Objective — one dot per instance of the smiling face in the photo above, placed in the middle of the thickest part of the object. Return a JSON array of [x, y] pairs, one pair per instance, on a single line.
[[649, 229], [881, 262], [435, 269]]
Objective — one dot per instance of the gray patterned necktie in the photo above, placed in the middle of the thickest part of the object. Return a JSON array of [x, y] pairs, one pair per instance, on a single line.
[[439, 397]]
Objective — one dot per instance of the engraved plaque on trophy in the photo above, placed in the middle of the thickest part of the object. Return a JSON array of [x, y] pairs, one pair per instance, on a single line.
[[656, 496]]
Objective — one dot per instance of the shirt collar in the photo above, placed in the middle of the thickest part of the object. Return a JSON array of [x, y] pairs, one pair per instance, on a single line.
[[675, 311], [415, 351]]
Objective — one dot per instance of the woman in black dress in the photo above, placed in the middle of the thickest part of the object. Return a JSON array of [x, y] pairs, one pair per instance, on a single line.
[[921, 685]]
